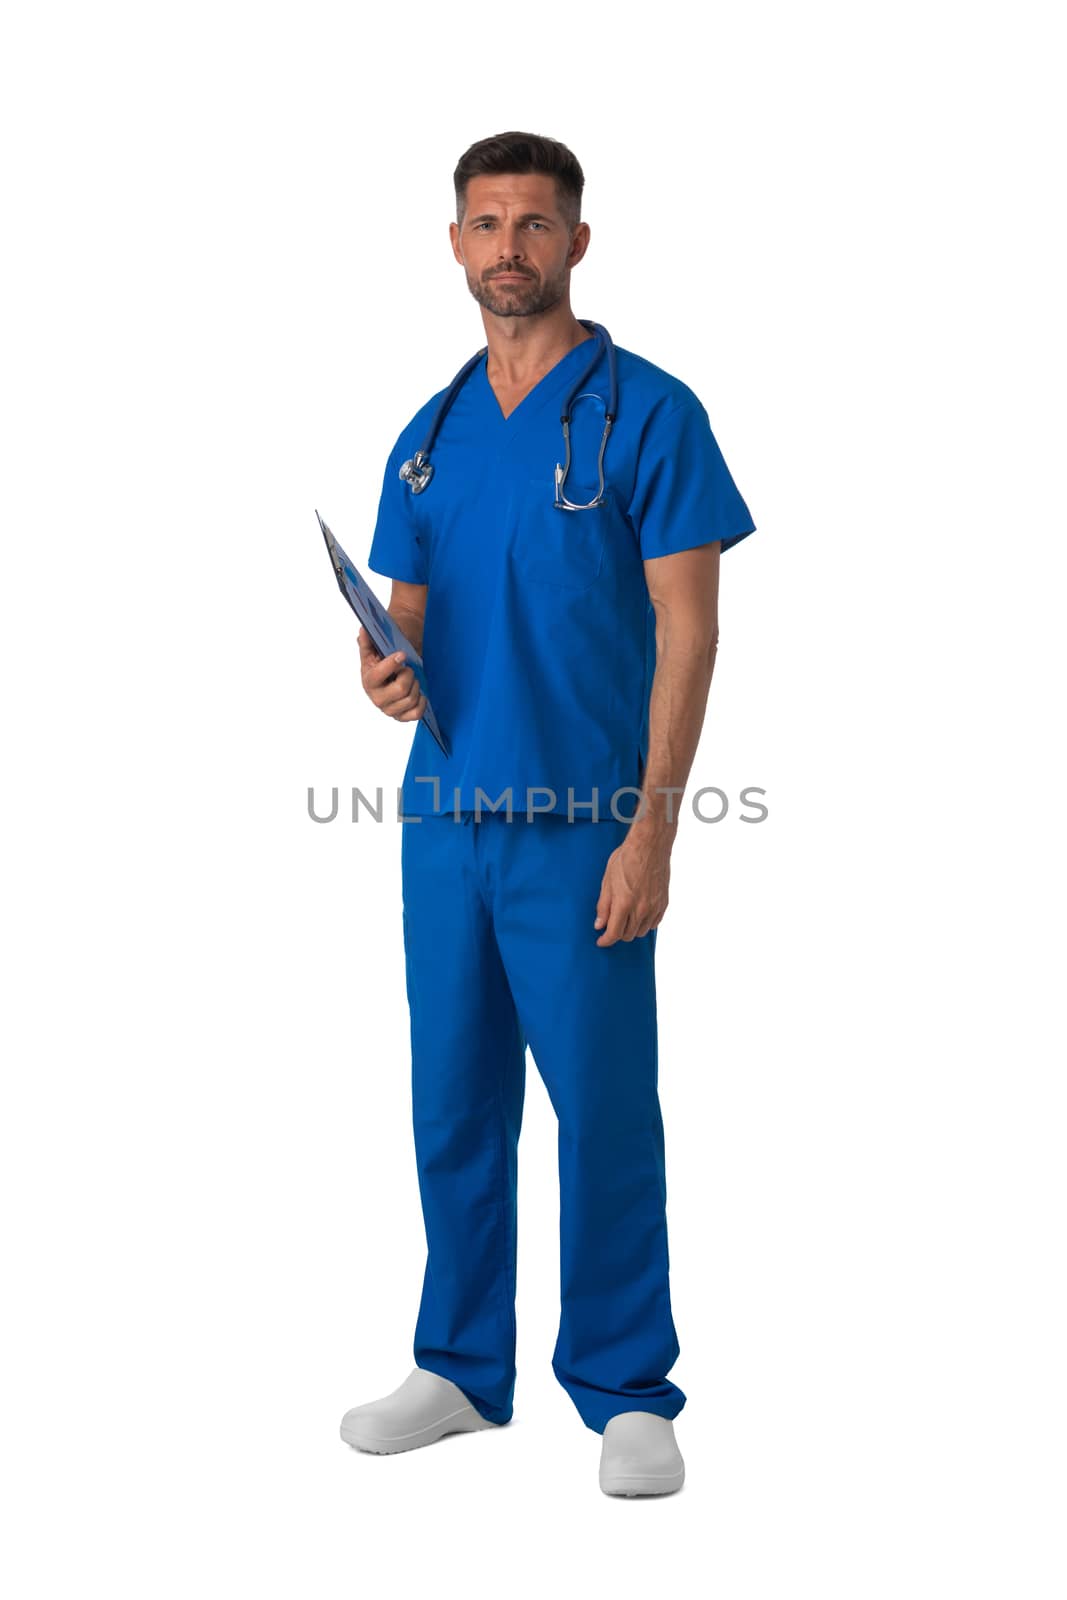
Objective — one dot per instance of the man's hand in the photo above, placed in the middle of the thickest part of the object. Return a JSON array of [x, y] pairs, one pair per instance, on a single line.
[[393, 688], [633, 891]]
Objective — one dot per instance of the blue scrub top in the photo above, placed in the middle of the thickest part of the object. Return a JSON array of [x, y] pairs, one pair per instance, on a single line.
[[539, 639]]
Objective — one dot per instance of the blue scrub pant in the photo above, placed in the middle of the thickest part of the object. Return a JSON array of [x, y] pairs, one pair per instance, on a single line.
[[500, 951]]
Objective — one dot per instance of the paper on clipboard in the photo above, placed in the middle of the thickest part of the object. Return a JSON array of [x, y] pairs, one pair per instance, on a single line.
[[388, 637]]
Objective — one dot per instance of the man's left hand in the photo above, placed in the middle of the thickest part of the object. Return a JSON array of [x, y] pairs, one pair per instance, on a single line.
[[633, 891]]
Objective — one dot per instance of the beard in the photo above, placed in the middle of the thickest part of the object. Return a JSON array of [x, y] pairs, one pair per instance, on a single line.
[[526, 299]]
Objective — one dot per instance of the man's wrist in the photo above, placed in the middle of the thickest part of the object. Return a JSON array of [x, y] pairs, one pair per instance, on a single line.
[[656, 817]]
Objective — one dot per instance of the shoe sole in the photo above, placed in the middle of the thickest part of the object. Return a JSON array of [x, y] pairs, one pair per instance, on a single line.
[[646, 1483], [466, 1420]]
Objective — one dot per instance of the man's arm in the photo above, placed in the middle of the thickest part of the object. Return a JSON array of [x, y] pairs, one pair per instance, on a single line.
[[684, 590], [407, 607]]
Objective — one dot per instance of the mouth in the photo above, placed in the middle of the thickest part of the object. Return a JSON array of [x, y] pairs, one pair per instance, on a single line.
[[510, 277]]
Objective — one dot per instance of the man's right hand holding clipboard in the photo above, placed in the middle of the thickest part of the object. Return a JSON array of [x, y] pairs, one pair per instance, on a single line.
[[389, 684], [394, 679]]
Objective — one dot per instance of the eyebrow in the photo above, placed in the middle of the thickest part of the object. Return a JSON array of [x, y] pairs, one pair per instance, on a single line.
[[527, 216]]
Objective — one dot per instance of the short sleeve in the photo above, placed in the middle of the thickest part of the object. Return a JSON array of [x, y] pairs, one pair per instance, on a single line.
[[398, 548], [683, 492]]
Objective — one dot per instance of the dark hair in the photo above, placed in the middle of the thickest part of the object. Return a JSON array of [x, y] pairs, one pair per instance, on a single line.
[[521, 153]]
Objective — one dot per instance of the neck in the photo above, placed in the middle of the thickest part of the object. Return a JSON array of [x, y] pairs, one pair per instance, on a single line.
[[522, 346]]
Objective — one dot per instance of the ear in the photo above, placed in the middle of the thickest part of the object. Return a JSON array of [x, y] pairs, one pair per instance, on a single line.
[[579, 244]]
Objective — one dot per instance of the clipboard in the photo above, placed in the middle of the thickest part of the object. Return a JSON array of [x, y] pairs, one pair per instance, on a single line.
[[387, 636]]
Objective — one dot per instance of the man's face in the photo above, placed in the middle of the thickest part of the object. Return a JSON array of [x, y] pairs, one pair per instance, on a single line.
[[514, 244]]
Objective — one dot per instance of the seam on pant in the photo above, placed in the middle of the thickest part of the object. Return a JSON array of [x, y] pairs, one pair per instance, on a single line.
[[478, 937], [659, 1175], [505, 1212], [475, 837], [658, 1145]]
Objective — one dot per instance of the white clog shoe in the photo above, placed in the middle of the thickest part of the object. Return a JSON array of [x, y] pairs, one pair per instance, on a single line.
[[640, 1455], [422, 1410]]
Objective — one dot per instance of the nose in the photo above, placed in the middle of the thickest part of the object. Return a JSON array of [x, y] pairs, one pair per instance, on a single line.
[[511, 245]]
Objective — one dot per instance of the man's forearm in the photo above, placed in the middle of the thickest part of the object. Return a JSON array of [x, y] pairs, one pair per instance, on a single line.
[[410, 623], [685, 663]]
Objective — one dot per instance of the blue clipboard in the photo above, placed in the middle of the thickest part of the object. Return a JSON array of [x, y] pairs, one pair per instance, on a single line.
[[388, 637]]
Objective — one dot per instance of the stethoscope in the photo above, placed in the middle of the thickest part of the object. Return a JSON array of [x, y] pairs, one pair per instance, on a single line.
[[419, 470]]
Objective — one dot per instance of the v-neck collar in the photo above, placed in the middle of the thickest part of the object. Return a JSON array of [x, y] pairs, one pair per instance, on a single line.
[[542, 390]]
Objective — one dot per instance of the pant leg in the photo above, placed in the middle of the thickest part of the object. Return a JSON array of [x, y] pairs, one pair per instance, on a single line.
[[467, 1083], [589, 1013]]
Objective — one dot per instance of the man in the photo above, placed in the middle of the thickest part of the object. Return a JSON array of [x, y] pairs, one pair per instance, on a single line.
[[569, 654]]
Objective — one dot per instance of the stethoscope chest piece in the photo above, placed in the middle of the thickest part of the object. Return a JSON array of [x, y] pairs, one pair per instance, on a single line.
[[417, 472]]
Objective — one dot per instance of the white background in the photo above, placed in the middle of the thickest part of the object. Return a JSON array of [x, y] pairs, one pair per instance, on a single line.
[[228, 285]]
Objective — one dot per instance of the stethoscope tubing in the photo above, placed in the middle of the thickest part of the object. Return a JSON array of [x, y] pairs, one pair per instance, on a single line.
[[418, 471]]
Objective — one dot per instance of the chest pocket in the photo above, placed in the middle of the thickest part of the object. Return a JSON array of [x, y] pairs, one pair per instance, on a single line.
[[560, 549]]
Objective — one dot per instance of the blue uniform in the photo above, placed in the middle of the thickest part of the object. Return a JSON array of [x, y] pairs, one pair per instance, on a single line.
[[539, 638], [539, 647]]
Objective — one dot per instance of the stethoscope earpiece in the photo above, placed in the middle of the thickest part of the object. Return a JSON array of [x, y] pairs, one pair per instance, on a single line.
[[562, 503]]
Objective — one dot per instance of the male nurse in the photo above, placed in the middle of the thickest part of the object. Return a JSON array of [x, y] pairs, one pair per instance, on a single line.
[[568, 654]]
